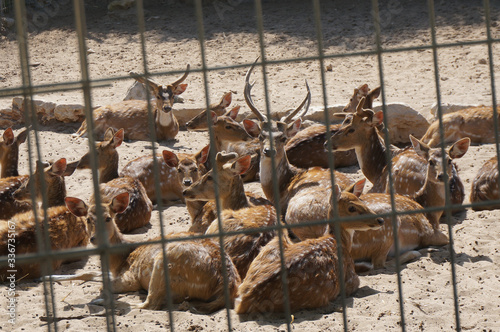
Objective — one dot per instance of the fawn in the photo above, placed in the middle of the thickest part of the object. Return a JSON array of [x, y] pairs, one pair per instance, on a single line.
[[199, 122], [138, 212], [239, 211], [9, 152], [133, 114], [194, 266], [312, 265], [65, 230], [171, 184], [359, 131], [477, 123], [485, 185], [300, 190]]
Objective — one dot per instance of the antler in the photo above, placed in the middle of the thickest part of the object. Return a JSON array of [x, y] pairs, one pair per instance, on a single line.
[[140, 78], [248, 97], [307, 102], [180, 80]]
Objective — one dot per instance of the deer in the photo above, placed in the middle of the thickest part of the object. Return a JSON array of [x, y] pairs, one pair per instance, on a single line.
[[9, 152], [312, 266], [142, 267], [360, 131], [133, 114], [415, 231], [199, 122], [138, 212], [477, 123], [65, 230], [300, 190], [306, 150], [485, 186], [183, 169], [239, 212]]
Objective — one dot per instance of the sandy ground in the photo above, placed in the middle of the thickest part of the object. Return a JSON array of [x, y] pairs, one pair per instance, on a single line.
[[289, 32]]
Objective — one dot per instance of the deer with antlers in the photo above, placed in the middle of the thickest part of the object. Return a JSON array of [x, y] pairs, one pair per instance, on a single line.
[[359, 131], [194, 266], [133, 114], [300, 190], [138, 212], [485, 186], [312, 266], [240, 212]]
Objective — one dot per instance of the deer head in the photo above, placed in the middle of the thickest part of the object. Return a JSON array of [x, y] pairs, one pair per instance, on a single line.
[[362, 92], [9, 152], [188, 169], [199, 122]]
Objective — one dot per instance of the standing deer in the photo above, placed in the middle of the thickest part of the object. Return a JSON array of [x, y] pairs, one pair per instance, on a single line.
[[194, 266], [171, 185], [9, 152], [359, 131], [485, 186], [477, 123], [301, 191], [199, 122], [239, 211], [312, 266], [133, 114], [138, 212]]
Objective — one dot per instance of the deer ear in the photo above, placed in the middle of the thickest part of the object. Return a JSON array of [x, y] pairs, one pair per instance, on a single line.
[[8, 136], [420, 148], [358, 187], [76, 206], [459, 148], [21, 138], [374, 93], [59, 167], [71, 167], [180, 89], [170, 158], [293, 128], [251, 127], [241, 165], [118, 138], [363, 89], [378, 118], [120, 202], [214, 117], [338, 192], [203, 155], [226, 99], [234, 112], [109, 133]]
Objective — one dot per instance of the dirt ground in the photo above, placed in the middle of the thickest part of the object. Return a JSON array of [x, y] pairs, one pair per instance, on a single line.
[[289, 31]]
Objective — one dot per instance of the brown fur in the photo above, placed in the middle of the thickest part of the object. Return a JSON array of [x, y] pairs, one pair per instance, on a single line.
[[9, 152], [485, 185], [199, 122], [8, 205]]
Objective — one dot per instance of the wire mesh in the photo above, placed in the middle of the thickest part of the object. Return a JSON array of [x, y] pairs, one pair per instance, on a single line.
[[86, 84]]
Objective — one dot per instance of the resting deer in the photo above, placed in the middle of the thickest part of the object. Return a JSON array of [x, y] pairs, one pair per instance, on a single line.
[[359, 131], [300, 190], [477, 123], [306, 148], [9, 152], [138, 212], [133, 114], [414, 230], [199, 122], [65, 230], [485, 186], [239, 211], [194, 266], [312, 266], [171, 184]]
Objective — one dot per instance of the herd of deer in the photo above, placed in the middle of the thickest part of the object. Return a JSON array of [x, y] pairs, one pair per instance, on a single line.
[[279, 155]]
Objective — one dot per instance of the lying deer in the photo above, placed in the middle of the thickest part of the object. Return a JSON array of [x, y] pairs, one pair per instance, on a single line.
[[239, 211], [138, 212], [485, 186], [171, 184], [194, 266], [312, 266], [65, 230], [9, 152], [300, 190], [359, 131], [133, 114], [477, 123], [306, 148], [416, 230], [199, 122]]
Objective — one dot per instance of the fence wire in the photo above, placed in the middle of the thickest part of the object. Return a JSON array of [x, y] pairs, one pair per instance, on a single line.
[[45, 255]]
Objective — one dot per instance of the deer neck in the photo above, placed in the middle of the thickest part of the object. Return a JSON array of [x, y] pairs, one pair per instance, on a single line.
[[236, 198], [9, 164], [56, 192], [371, 157], [285, 174], [118, 261], [431, 194], [110, 170], [194, 208], [166, 124]]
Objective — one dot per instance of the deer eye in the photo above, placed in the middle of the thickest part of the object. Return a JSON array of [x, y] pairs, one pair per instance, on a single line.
[[352, 209], [228, 127], [449, 161], [432, 162], [350, 131], [209, 178], [108, 219]]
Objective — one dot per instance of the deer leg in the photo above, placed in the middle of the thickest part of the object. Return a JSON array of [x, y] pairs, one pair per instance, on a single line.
[[157, 288], [405, 258], [88, 276], [126, 282]]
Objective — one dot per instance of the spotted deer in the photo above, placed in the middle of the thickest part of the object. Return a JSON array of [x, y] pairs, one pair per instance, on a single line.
[[199, 122], [9, 152], [485, 186], [138, 212], [194, 266], [133, 114], [240, 212], [300, 190], [312, 266], [359, 131], [306, 148], [173, 176], [477, 123]]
